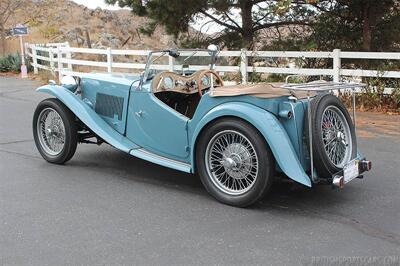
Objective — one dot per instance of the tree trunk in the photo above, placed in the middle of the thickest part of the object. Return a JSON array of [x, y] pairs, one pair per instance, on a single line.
[[248, 41], [247, 25], [2, 39], [366, 29]]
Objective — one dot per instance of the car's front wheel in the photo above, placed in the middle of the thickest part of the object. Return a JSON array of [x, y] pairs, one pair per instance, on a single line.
[[234, 162], [55, 131]]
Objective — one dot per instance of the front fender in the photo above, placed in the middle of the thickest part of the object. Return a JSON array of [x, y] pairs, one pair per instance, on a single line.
[[268, 125], [89, 117]]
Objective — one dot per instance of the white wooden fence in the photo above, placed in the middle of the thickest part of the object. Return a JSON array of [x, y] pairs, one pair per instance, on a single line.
[[60, 59]]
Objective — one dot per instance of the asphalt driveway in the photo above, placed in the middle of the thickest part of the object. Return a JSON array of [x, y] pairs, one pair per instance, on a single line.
[[106, 207]]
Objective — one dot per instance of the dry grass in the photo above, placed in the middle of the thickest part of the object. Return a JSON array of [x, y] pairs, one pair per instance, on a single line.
[[43, 77]]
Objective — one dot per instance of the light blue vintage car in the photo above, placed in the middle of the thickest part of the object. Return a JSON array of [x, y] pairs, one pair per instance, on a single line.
[[238, 139]]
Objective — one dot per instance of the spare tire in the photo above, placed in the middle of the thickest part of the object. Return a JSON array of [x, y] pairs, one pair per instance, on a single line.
[[333, 135]]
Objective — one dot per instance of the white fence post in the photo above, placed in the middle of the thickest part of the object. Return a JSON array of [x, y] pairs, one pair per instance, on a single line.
[[337, 65], [34, 60], [69, 56], [51, 56], [171, 63], [26, 49], [109, 60], [243, 66], [60, 65]]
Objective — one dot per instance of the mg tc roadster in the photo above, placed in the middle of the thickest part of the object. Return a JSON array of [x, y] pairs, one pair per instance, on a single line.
[[237, 138]]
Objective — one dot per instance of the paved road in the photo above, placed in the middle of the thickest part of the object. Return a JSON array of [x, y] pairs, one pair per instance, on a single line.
[[105, 207]]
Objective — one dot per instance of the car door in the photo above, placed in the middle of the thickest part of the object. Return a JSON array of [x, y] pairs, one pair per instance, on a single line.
[[156, 127]]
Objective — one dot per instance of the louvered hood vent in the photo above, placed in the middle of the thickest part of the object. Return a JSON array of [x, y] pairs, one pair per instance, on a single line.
[[109, 105]]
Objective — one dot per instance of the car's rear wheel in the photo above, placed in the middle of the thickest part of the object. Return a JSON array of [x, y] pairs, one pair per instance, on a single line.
[[334, 139], [234, 162], [55, 131]]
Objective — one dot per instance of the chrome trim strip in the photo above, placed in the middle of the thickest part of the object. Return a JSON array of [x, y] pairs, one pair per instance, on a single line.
[[161, 160], [322, 86]]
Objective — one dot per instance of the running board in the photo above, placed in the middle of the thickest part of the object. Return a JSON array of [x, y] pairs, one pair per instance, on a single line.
[[157, 159]]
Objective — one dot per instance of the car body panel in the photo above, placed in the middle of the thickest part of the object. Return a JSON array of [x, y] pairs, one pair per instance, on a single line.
[[266, 123], [295, 129], [109, 96], [89, 117]]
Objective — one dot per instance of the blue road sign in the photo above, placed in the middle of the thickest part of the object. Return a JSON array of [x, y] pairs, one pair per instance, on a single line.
[[20, 31]]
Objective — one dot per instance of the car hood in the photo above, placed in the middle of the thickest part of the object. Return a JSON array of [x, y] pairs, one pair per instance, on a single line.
[[124, 79]]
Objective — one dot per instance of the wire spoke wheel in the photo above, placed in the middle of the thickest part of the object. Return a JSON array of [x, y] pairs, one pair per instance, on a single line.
[[51, 131], [232, 162], [336, 136]]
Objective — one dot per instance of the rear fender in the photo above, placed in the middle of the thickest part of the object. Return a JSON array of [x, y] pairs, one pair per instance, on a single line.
[[268, 125], [89, 117]]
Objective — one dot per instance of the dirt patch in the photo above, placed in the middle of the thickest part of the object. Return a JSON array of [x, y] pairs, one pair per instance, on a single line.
[[365, 134], [370, 124], [9, 74]]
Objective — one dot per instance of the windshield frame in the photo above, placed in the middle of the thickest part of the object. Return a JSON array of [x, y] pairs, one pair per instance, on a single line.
[[182, 52]]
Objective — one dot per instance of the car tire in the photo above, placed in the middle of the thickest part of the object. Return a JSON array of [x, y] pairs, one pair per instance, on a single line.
[[238, 171], [55, 131], [325, 110]]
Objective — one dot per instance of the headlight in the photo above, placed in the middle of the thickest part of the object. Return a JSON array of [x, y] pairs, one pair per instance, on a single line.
[[70, 83]]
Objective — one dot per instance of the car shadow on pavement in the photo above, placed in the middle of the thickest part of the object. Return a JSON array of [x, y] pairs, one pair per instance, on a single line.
[[119, 164], [284, 194]]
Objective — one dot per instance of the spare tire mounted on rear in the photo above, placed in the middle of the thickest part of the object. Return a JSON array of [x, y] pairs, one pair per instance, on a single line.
[[333, 135]]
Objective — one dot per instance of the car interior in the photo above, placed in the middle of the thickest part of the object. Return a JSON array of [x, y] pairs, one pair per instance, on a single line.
[[183, 93]]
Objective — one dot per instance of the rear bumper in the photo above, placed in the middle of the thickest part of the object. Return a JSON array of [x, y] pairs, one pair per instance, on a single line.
[[338, 179]]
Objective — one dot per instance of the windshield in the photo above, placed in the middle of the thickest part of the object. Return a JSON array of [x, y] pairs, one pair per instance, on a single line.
[[180, 61]]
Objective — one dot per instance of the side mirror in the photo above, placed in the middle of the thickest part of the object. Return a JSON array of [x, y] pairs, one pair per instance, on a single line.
[[69, 82], [173, 53]]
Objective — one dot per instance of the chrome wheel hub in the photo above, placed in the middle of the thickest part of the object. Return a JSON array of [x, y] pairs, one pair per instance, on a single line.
[[51, 131], [237, 160], [231, 162], [228, 163]]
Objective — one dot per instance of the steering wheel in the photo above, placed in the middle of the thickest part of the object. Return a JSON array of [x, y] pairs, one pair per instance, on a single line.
[[205, 72]]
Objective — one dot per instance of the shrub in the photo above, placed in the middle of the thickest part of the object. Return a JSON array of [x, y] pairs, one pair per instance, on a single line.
[[12, 63]]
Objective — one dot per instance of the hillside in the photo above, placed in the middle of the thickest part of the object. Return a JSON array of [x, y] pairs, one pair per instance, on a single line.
[[64, 20]]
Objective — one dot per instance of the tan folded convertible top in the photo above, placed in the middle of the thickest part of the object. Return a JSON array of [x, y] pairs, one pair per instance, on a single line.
[[263, 90]]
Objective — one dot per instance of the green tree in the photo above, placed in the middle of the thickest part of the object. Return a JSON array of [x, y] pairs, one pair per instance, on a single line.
[[240, 20], [355, 25]]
